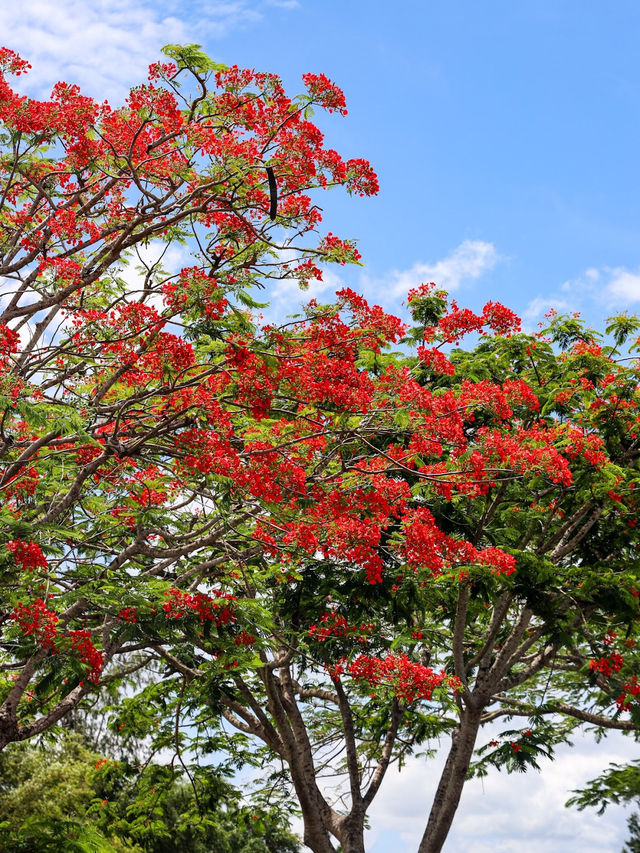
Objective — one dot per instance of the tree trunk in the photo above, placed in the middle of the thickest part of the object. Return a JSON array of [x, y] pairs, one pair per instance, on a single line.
[[352, 834], [316, 835], [451, 782], [353, 845]]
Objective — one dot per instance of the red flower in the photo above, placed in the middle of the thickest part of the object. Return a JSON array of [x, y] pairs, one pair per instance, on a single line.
[[27, 555], [82, 644]]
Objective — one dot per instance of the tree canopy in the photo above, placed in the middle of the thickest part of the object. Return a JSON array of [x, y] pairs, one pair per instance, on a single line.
[[304, 539]]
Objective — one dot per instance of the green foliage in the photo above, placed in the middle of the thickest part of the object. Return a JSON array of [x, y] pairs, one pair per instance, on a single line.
[[192, 56], [622, 326], [633, 842], [619, 784], [518, 750], [64, 796]]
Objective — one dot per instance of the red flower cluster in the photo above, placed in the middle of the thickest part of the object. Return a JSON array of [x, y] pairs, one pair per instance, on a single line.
[[242, 638], [150, 497], [425, 545], [585, 445], [459, 322], [386, 328], [128, 614], [410, 681], [37, 620], [528, 451], [9, 341], [630, 689], [427, 288], [500, 320], [11, 63], [348, 526], [82, 644], [335, 625], [325, 92], [607, 665], [23, 484], [336, 249], [27, 555], [206, 608], [436, 360]]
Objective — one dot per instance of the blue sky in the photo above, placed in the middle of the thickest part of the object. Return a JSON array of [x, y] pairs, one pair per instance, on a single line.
[[505, 135]]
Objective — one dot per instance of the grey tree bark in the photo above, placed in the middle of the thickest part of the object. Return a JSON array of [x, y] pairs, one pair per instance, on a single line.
[[452, 781]]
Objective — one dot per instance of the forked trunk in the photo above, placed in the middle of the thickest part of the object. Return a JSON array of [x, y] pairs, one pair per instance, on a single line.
[[451, 782], [317, 834]]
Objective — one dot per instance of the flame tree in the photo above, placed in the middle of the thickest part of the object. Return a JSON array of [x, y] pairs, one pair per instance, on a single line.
[[299, 535]]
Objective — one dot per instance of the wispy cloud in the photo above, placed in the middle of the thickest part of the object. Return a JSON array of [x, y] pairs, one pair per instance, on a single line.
[[594, 293], [467, 262], [539, 306], [105, 46], [624, 285], [617, 287]]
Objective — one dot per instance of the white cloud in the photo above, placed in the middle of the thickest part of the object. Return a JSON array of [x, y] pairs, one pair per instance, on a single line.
[[504, 813], [603, 290], [541, 304], [288, 290], [518, 813], [617, 286], [286, 297], [623, 285], [470, 260], [105, 46]]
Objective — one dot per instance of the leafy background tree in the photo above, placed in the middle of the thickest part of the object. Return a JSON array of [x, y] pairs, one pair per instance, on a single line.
[[64, 795]]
